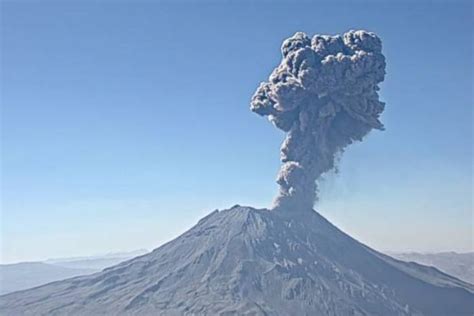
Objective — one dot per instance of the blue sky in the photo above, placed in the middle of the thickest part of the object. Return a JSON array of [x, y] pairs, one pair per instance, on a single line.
[[124, 122]]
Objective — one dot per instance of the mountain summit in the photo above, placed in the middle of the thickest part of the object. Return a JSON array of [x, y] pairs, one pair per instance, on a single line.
[[254, 262]]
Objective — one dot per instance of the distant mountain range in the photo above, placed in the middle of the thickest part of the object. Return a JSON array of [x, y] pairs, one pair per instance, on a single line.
[[97, 262], [25, 275], [460, 265]]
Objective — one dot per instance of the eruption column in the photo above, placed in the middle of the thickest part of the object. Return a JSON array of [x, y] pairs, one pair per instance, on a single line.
[[324, 96]]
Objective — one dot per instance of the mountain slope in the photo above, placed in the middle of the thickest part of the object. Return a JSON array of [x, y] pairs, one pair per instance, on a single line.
[[255, 262]]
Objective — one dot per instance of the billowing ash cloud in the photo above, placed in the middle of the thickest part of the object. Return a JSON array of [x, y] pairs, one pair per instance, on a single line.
[[324, 95]]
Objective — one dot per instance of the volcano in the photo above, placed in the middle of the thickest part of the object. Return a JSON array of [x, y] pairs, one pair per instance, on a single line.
[[246, 261]]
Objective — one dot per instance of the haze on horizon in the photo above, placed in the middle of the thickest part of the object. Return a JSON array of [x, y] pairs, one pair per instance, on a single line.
[[119, 133]]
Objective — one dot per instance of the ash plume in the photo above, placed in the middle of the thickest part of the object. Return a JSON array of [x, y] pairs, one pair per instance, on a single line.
[[324, 96]]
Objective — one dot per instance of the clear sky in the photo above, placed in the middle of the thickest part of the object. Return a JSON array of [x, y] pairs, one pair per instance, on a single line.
[[125, 122]]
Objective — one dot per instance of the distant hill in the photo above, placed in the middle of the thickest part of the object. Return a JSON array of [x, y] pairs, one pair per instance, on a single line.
[[25, 275], [460, 265]]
